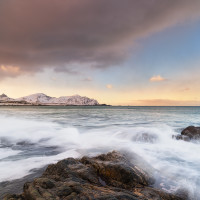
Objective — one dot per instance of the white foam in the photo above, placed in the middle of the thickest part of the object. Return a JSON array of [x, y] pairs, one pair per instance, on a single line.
[[6, 152], [177, 160], [16, 169]]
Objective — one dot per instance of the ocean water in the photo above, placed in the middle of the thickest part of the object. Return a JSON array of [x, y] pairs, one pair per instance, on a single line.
[[32, 137]]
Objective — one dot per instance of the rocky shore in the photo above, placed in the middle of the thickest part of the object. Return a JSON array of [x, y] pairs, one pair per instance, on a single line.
[[109, 176]]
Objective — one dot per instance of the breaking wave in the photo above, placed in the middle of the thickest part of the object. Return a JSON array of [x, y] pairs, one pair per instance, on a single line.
[[27, 144]]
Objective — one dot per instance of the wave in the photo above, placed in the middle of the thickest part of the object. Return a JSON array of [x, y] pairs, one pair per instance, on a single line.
[[26, 144]]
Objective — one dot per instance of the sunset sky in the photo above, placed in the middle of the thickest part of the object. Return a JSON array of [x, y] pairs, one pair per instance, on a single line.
[[120, 52]]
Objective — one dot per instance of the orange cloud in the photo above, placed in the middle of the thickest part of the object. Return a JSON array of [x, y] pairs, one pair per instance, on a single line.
[[185, 89], [9, 70], [87, 79], [109, 86], [165, 102], [157, 78]]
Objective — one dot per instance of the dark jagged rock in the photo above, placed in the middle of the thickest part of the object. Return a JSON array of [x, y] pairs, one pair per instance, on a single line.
[[192, 132], [105, 177], [188, 134]]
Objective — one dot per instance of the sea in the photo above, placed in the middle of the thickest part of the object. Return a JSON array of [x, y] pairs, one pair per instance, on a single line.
[[33, 137]]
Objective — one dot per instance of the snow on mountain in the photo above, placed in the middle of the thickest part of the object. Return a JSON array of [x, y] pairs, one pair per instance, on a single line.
[[60, 100], [36, 98], [76, 100], [40, 98], [4, 97]]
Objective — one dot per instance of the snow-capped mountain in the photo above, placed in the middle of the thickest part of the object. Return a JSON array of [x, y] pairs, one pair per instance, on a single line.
[[40, 98], [4, 98], [36, 98], [75, 100]]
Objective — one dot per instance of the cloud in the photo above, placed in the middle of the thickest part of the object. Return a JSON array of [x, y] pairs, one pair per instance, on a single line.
[[53, 79], [87, 79], [9, 70], [165, 102], [157, 78], [38, 34], [109, 86], [185, 89]]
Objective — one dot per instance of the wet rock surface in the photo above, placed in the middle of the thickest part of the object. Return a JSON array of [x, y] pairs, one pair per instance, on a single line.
[[145, 137], [16, 186], [105, 177], [188, 134]]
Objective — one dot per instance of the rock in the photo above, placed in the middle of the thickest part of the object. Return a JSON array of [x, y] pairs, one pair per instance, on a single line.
[[44, 183], [155, 194], [188, 134], [16, 186], [181, 137], [192, 132], [13, 197], [183, 193], [105, 177], [145, 137], [116, 170]]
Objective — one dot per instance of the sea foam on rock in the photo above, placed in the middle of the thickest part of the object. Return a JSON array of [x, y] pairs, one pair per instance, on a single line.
[[188, 134], [105, 177]]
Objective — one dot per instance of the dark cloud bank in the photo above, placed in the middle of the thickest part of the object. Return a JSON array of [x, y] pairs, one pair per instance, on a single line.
[[55, 33]]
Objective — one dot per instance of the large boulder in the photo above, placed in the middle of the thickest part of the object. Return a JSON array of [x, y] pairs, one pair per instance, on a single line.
[[117, 171], [192, 132], [105, 177], [189, 133]]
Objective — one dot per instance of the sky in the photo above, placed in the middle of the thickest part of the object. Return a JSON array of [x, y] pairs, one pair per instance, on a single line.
[[120, 52]]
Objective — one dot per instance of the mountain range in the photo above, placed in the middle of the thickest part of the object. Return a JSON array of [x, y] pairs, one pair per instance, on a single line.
[[43, 99]]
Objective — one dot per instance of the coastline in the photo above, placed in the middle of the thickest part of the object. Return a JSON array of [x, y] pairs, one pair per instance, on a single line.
[[27, 104]]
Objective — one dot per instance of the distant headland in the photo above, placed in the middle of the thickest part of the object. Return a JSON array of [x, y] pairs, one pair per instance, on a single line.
[[43, 99]]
